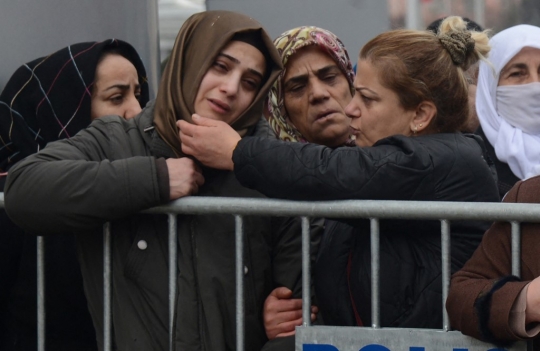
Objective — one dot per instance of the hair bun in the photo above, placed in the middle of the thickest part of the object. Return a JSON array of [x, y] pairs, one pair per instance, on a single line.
[[459, 45]]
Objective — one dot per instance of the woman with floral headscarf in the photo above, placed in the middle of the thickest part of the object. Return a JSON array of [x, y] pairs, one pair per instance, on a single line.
[[306, 104], [307, 101]]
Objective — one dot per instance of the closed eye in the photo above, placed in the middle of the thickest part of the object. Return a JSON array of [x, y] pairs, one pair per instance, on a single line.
[[220, 66], [329, 78]]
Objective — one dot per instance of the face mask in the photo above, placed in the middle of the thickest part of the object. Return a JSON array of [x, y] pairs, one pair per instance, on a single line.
[[519, 105]]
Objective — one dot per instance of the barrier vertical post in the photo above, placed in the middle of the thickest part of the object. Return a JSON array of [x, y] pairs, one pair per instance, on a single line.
[[306, 273], [40, 244], [446, 269], [375, 273], [239, 226], [173, 263], [107, 291], [516, 249]]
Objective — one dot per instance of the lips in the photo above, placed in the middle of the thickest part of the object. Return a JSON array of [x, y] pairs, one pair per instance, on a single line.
[[354, 132], [324, 114], [219, 106]]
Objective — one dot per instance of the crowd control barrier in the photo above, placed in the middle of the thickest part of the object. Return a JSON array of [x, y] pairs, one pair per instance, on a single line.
[[326, 338]]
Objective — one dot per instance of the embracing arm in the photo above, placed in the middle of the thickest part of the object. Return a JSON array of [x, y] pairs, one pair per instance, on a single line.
[[393, 170], [397, 168]]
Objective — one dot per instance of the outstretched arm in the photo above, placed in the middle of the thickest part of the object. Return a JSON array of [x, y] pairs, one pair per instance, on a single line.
[[395, 169]]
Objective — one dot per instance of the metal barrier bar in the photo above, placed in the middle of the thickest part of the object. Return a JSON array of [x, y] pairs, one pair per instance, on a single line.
[[375, 272], [107, 289], [516, 248], [306, 273], [434, 210], [173, 264], [487, 211], [239, 223], [446, 269], [40, 244], [375, 210]]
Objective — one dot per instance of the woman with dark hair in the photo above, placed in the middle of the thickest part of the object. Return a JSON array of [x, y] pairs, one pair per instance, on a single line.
[[411, 100], [47, 99]]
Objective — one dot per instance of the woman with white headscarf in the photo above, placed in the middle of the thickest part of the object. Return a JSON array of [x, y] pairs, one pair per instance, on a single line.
[[508, 104]]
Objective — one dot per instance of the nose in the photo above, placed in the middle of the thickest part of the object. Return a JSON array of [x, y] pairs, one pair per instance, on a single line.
[[318, 91], [230, 85], [353, 108], [132, 107]]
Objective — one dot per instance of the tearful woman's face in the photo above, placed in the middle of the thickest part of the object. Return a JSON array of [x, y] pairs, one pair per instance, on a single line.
[[116, 88], [232, 82]]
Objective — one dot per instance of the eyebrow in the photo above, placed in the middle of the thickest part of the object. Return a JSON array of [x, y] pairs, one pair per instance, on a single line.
[[359, 89], [301, 78], [519, 65], [237, 61], [122, 87]]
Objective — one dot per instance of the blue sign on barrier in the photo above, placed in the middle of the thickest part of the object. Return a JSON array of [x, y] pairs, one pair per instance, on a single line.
[[373, 347], [326, 338]]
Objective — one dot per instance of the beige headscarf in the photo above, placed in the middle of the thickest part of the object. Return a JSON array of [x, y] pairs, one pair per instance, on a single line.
[[198, 43]]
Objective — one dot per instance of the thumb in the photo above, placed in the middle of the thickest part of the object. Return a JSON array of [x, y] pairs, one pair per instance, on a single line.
[[282, 293], [203, 121]]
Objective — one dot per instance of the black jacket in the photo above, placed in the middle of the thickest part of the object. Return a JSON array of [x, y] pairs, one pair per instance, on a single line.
[[438, 167], [505, 177], [109, 172]]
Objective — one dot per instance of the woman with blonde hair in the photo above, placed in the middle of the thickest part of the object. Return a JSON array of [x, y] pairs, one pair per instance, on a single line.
[[411, 100]]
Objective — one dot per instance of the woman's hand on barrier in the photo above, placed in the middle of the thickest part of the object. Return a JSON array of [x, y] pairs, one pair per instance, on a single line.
[[209, 141], [282, 314], [185, 177]]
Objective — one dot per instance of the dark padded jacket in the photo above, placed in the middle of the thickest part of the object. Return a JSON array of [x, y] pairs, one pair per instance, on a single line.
[[109, 172], [439, 167], [505, 177]]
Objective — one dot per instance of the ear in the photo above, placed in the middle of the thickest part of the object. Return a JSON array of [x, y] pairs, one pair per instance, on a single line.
[[424, 114]]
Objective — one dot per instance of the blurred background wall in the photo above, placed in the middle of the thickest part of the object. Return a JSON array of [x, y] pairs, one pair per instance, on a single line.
[[355, 22], [33, 28]]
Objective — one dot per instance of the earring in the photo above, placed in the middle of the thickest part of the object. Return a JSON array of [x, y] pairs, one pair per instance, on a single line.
[[415, 130], [421, 125]]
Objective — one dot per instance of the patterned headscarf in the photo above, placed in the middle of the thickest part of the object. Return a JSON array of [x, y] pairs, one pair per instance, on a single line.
[[287, 45], [49, 98]]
